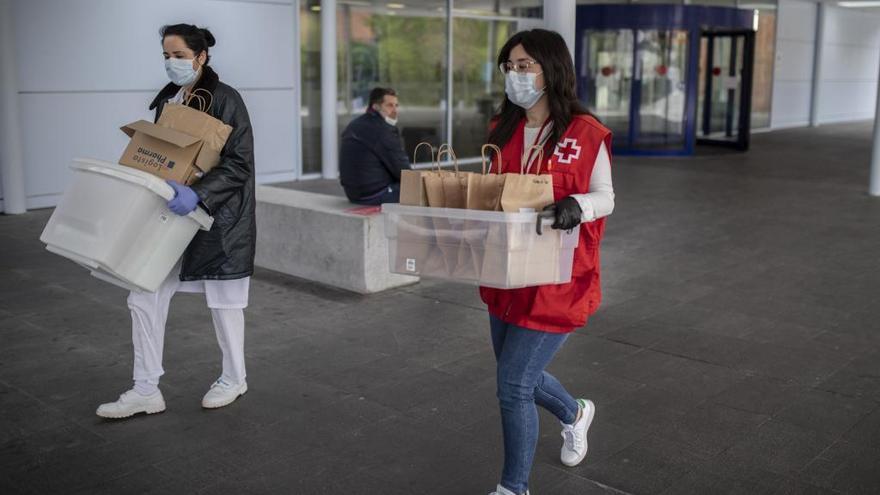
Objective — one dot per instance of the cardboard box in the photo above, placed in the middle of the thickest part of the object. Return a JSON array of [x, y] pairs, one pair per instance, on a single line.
[[213, 132], [163, 152]]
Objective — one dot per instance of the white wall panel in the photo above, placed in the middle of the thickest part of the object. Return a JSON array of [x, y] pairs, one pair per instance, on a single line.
[[845, 101], [271, 113], [851, 62], [797, 20], [86, 67], [794, 60], [793, 71], [791, 104], [94, 45]]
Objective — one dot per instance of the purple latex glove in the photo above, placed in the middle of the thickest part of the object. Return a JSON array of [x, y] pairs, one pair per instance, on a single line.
[[185, 199]]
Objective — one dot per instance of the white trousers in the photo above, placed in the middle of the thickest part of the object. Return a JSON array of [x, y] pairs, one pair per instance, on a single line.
[[149, 312]]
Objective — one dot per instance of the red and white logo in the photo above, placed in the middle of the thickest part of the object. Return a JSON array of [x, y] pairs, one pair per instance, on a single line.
[[567, 151]]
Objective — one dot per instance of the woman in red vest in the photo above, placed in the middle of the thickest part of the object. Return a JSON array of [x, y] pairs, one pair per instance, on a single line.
[[530, 325]]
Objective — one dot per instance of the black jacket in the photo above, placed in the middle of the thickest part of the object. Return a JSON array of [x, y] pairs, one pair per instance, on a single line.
[[225, 252], [371, 156]]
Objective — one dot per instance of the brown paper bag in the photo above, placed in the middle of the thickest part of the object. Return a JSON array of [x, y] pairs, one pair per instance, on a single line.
[[511, 252], [412, 185], [446, 189], [484, 190], [483, 193], [416, 244], [525, 190], [197, 123]]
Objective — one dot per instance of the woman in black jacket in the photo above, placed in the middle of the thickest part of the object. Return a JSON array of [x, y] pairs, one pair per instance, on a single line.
[[218, 262]]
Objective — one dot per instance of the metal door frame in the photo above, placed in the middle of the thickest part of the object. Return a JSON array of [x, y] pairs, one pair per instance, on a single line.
[[745, 104]]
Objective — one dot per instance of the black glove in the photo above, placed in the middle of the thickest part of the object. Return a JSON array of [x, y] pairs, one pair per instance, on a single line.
[[566, 214]]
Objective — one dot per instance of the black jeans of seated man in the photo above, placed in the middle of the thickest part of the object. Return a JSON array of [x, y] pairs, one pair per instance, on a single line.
[[390, 194]]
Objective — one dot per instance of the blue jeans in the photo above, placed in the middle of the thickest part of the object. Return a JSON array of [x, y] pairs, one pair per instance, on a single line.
[[522, 355], [390, 194]]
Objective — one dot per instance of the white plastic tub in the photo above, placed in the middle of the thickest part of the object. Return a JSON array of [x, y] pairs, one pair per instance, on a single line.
[[114, 220], [489, 248]]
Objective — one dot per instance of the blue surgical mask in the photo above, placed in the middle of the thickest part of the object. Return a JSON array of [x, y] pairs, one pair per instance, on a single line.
[[521, 90], [180, 71]]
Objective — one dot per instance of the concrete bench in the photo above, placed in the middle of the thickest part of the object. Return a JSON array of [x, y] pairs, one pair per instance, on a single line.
[[317, 237]]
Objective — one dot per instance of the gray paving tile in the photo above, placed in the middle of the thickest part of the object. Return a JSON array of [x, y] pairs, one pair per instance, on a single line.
[[710, 429], [703, 482], [846, 468], [776, 447], [673, 373], [825, 412], [648, 466]]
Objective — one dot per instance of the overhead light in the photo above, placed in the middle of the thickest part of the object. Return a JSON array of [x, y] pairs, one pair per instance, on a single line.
[[756, 20], [316, 8], [395, 5], [855, 4]]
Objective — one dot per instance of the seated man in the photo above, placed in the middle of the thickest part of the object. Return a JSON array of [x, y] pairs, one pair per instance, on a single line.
[[371, 155]]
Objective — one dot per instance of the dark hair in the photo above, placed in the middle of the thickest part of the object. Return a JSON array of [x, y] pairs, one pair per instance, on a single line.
[[197, 39], [377, 95], [548, 49]]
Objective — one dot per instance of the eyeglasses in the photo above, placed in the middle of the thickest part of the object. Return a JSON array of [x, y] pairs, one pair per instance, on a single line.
[[519, 66]]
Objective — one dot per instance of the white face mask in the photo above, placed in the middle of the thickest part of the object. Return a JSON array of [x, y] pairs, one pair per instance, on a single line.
[[388, 120], [180, 71], [521, 90]]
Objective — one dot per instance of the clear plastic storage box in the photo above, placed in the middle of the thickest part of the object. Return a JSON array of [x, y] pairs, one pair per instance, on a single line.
[[489, 248], [114, 220]]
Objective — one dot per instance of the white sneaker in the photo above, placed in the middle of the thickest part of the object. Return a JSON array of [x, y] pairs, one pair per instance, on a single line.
[[500, 490], [222, 394], [574, 445], [131, 403]]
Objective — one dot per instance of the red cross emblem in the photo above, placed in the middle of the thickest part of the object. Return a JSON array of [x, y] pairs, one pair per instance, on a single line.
[[567, 151]]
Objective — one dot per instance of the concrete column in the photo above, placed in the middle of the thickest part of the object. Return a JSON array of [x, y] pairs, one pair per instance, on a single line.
[[450, 72], [559, 16], [817, 64], [874, 187], [11, 161], [329, 133], [297, 91]]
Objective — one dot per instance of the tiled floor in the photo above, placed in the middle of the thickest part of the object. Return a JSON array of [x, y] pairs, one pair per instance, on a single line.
[[737, 351]]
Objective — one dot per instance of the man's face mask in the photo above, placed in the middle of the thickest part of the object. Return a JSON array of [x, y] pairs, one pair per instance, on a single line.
[[388, 120]]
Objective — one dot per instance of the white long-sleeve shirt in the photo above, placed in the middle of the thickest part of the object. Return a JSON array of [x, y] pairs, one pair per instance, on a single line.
[[598, 202]]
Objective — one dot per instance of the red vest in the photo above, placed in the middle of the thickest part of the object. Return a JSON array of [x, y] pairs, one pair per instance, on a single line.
[[559, 308]]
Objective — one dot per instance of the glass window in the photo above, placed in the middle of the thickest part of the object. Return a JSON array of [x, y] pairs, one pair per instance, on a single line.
[[310, 85], [401, 48], [478, 85], [663, 71], [609, 79]]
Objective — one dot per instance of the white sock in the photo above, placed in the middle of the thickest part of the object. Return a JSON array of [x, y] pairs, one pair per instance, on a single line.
[[146, 387]]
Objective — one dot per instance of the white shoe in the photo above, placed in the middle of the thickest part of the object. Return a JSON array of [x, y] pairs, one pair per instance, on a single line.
[[500, 490], [574, 445], [222, 394], [131, 403]]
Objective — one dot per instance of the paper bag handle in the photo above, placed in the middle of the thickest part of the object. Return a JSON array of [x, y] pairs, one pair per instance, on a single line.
[[524, 169], [206, 103], [199, 99], [445, 148], [497, 151], [416, 151]]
